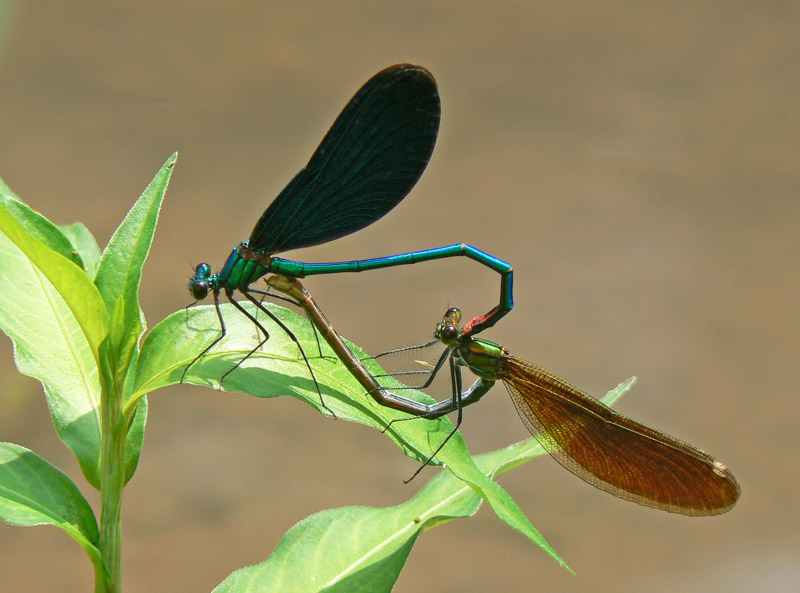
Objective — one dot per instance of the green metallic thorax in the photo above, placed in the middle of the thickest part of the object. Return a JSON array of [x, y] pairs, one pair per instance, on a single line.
[[240, 270], [483, 357]]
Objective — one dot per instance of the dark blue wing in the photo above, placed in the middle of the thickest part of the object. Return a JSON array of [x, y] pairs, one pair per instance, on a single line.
[[367, 163]]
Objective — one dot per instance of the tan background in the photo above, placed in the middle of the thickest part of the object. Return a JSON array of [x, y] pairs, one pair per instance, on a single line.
[[637, 162]]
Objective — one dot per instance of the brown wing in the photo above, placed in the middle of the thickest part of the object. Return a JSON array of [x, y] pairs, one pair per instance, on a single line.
[[615, 453]]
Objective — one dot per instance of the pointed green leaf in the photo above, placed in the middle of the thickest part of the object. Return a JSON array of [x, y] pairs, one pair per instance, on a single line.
[[69, 280], [118, 349], [34, 492], [41, 228], [56, 320], [120, 271], [278, 369], [118, 277], [133, 444], [110, 358], [356, 549], [85, 244]]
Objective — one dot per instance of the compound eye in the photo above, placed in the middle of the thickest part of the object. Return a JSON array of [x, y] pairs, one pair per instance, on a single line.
[[449, 333], [446, 333], [452, 317], [199, 290]]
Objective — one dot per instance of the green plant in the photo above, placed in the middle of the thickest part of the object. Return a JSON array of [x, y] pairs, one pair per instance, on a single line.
[[73, 315]]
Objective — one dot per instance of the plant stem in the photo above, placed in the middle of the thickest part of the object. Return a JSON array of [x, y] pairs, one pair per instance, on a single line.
[[112, 481]]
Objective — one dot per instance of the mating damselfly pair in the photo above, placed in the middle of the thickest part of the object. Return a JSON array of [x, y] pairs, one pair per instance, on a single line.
[[367, 163]]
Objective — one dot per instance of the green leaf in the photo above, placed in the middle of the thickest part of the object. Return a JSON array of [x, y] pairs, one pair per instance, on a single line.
[[34, 492], [135, 436], [356, 549], [118, 349], [120, 269], [85, 244], [135, 439], [278, 369], [56, 319], [69, 280], [134, 426], [41, 228], [119, 273]]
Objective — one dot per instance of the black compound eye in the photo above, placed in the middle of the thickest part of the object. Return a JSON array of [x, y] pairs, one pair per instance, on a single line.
[[199, 289], [448, 333], [201, 282]]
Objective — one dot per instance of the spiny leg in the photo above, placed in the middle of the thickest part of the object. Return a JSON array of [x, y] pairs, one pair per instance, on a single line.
[[212, 344], [289, 333], [404, 374], [258, 326], [430, 373], [272, 316], [455, 375], [456, 386], [266, 293], [437, 367], [186, 310], [404, 349]]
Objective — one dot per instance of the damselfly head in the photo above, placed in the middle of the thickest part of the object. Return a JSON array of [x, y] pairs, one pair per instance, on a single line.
[[199, 285], [447, 329]]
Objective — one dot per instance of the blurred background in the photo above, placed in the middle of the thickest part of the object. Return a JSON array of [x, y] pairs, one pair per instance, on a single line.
[[637, 162]]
